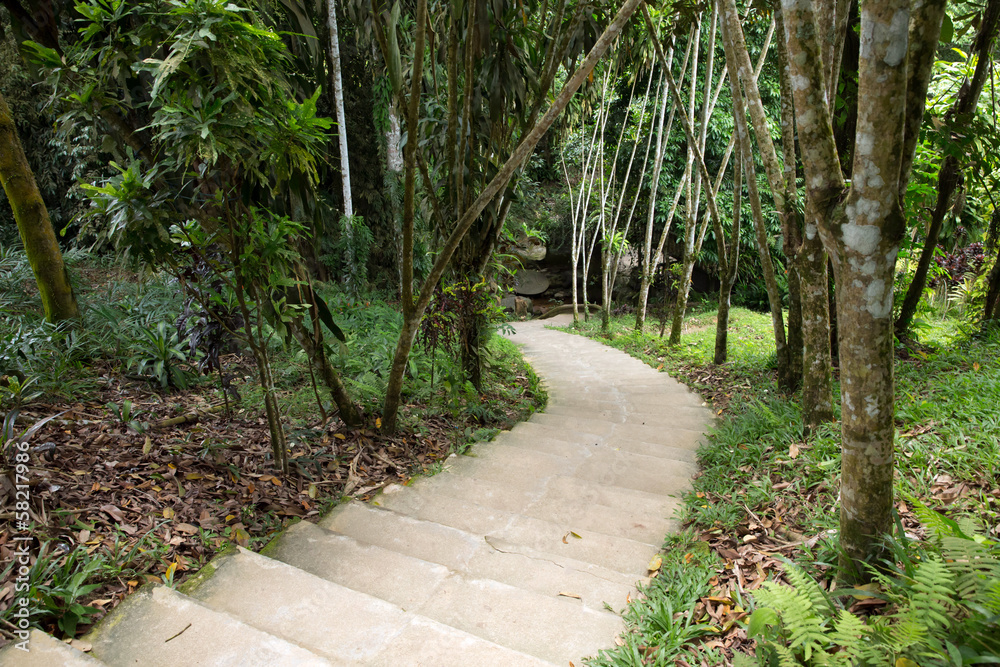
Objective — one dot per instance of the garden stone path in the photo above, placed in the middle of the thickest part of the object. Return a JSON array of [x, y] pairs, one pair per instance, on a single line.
[[518, 555]]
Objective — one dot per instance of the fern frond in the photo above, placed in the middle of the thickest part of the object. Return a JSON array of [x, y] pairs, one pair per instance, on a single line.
[[936, 523], [805, 584], [744, 660], [785, 657], [931, 601], [975, 566], [905, 633], [802, 626]]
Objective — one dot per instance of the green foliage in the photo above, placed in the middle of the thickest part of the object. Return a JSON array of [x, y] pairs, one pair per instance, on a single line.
[[160, 355], [800, 624], [660, 623], [58, 161], [14, 390], [346, 253], [944, 609], [57, 588], [128, 415]]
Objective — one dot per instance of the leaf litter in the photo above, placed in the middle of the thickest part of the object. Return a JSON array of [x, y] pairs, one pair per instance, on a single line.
[[158, 505]]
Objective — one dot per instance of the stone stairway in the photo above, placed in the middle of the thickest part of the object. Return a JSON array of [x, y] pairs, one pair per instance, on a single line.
[[518, 555]]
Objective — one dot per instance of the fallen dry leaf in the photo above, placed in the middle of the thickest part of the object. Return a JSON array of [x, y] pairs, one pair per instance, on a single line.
[[655, 563]]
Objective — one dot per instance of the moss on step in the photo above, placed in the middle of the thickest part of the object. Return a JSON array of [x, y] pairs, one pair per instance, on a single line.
[[193, 582], [272, 545], [118, 614]]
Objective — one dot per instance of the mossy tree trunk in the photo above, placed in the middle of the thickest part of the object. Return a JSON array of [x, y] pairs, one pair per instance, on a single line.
[[34, 224]]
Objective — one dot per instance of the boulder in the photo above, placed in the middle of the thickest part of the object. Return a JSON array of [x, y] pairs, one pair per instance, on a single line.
[[530, 283]]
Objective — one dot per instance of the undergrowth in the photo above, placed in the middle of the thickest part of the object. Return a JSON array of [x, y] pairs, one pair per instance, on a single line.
[[759, 468], [127, 365]]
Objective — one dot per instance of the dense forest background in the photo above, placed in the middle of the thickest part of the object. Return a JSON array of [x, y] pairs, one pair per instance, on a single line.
[[320, 215]]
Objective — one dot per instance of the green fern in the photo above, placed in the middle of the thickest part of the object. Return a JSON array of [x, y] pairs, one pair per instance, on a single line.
[[803, 622], [931, 601]]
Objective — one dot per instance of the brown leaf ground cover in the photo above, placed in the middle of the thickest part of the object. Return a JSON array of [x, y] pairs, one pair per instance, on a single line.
[[156, 505]]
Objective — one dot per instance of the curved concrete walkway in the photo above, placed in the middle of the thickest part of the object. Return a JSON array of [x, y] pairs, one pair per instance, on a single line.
[[511, 556]]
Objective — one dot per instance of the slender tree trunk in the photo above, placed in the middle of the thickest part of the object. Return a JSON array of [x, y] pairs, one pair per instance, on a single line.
[[781, 346], [414, 311], [817, 374], [279, 444], [728, 279], [862, 227], [781, 180], [991, 310], [948, 176], [691, 197], [648, 261], [578, 212], [612, 258], [34, 224], [337, 85], [317, 355], [742, 136]]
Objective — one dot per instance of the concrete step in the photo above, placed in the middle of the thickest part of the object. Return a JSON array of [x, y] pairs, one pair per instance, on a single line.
[[560, 432], [427, 643], [44, 650], [158, 627], [667, 417], [559, 447], [405, 581], [494, 461], [438, 505], [592, 505], [601, 464], [343, 625], [338, 623], [454, 548], [552, 628], [610, 466], [596, 427], [649, 442], [648, 429]]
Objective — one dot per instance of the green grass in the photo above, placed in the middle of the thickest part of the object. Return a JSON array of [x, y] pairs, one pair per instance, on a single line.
[[947, 424], [661, 624], [751, 359]]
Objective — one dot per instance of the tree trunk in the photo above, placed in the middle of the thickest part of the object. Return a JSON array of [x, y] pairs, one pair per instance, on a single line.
[[728, 279], [414, 311], [612, 259], [314, 350], [337, 84], [948, 176], [817, 375], [34, 224], [691, 198], [991, 310], [742, 135], [781, 180], [861, 227]]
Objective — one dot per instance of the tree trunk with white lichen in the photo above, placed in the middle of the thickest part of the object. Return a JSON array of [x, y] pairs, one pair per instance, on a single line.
[[861, 227]]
